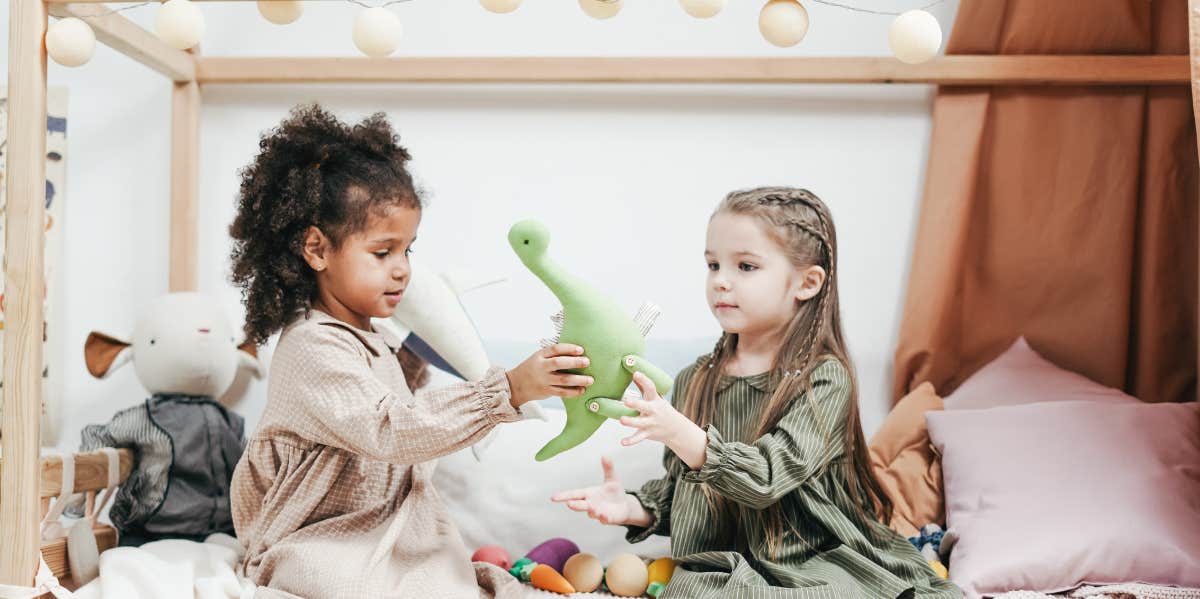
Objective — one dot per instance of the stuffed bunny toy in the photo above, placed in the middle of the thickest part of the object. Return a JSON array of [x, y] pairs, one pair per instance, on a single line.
[[186, 444]]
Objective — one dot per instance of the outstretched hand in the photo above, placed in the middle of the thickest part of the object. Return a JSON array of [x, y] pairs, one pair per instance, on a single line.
[[607, 502]]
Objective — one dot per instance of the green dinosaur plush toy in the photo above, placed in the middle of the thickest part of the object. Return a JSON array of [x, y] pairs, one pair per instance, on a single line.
[[612, 341]]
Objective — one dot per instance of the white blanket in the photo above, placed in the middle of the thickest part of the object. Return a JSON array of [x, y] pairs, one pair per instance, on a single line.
[[171, 569]]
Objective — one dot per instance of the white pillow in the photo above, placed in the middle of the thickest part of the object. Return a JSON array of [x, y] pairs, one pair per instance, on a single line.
[[505, 498]]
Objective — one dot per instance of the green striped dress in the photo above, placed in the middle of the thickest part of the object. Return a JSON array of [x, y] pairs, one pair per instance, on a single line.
[[800, 464]]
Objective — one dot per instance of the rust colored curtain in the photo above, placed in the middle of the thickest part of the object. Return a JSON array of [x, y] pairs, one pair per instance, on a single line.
[[1064, 214]]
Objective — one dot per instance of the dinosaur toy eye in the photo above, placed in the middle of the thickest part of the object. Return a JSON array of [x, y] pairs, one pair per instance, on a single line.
[[526, 242], [152, 342]]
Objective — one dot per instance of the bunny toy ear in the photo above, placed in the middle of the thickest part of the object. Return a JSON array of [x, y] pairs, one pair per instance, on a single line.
[[105, 353], [248, 358]]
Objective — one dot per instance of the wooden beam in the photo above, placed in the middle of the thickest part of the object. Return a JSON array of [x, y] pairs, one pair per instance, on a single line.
[[131, 39], [91, 472], [24, 279], [185, 185], [1194, 43], [945, 70]]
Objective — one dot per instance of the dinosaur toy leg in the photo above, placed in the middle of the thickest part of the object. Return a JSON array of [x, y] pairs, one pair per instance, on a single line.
[[581, 423], [610, 408], [662, 381]]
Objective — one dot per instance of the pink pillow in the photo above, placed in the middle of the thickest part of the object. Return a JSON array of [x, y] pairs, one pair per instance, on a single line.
[[1019, 376], [1048, 496]]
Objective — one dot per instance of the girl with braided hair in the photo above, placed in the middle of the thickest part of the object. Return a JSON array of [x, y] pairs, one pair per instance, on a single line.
[[769, 490]]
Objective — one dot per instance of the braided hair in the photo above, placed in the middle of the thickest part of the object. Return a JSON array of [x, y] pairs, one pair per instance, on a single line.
[[800, 223]]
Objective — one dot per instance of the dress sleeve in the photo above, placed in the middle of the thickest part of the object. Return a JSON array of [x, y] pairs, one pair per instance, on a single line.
[[807, 438], [339, 401]]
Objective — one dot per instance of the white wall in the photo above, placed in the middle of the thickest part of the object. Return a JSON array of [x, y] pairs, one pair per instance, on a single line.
[[625, 175]]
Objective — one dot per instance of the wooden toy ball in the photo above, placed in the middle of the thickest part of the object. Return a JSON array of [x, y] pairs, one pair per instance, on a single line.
[[584, 572], [627, 575]]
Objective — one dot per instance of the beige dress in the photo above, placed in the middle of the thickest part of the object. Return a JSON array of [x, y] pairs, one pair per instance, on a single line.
[[333, 496]]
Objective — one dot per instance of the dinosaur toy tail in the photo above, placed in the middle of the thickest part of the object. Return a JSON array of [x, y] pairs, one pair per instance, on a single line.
[[574, 434]]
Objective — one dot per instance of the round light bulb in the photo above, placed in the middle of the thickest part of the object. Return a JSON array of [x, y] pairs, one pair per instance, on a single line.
[[601, 9], [377, 31], [281, 12], [179, 23], [915, 37], [783, 22], [702, 9], [500, 6], [70, 42]]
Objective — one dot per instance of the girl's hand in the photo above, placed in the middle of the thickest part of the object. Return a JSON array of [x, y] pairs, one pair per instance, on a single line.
[[608, 503], [540, 376], [660, 421]]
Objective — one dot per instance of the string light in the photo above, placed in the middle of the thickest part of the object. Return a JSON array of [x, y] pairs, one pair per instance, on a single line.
[[914, 36]]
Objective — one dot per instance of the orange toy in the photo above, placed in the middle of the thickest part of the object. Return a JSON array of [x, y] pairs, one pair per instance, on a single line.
[[548, 579]]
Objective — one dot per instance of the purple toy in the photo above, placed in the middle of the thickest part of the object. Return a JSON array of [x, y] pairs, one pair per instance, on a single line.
[[553, 553]]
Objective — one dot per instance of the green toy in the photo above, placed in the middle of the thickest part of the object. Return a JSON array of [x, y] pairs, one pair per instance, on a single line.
[[612, 341]]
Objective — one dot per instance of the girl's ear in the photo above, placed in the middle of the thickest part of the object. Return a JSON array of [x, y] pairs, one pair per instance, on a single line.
[[316, 247], [810, 282]]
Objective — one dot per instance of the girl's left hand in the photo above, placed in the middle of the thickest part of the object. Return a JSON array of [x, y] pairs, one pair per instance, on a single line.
[[659, 420]]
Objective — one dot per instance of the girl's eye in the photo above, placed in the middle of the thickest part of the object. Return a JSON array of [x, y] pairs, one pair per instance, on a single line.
[[382, 254], [713, 266], [408, 252], [747, 267]]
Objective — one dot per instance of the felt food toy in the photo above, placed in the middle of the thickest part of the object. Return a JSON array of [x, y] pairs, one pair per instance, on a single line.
[[584, 572], [659, 574], [493, 554], [612, 341], [541, 576], [626, 576], [546, 578], [553, 553]]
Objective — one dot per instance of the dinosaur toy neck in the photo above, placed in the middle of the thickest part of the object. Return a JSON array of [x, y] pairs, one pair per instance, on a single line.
[[553, 275]]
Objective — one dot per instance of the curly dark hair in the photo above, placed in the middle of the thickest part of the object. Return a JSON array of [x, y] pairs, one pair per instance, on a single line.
[[311, 170]]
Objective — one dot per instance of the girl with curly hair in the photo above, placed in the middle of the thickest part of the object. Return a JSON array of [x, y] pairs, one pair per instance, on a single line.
[[333, 495]]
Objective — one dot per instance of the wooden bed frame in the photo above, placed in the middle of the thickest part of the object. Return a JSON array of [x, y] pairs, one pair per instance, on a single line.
[[27, 481]]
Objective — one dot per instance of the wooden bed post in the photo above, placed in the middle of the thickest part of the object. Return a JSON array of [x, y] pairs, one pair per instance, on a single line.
[[1194, 43], [185, 158], [24, 279]]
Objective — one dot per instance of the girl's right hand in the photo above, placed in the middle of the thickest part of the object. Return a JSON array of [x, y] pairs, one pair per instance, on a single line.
[[540, 376], [608, 502]]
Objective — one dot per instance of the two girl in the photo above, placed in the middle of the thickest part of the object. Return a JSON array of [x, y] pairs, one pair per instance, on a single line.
[[768, 490]]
